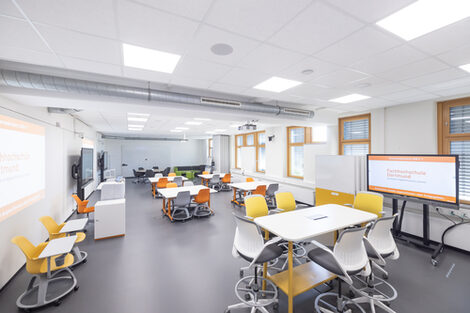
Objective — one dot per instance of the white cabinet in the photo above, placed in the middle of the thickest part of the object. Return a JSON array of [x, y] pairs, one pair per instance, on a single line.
[[110, 218]]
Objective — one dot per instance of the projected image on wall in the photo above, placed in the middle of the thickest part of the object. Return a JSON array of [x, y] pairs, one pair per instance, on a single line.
[[22, 165]]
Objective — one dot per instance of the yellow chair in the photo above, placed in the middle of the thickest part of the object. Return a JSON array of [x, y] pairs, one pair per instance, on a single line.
[[285, 201], [171, 185], [53, 229], [205, 173], [256, 206], [42, 275], [250, 179], [171, 174], [371, 202]]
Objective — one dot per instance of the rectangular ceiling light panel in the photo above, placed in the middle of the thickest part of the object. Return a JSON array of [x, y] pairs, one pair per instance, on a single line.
[[277, 84], [149, 59], [349, 98]]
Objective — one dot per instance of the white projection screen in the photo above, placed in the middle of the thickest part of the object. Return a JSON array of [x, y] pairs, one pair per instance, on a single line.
[[22, 165]]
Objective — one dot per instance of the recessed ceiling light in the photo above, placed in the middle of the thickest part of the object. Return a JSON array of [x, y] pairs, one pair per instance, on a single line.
[[182, 128], [135, 125], [465, 67], [137, 119], [220, 130], [133, 128], [138, 114], [425, 16], [307, 71], [202, 119], [349, 98], [175, 130], [193, 123], [149, 59], [277, 84], [222, 49]]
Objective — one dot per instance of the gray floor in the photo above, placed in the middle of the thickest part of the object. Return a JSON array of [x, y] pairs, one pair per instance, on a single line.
[[188, 267]]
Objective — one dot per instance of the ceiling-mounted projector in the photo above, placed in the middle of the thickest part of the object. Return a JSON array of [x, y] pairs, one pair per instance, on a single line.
[[248, 126]]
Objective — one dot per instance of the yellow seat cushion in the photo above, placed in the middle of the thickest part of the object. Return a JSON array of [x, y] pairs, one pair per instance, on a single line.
[[68, 260], [256, 206], [285, 201], [369, 202], [80, 237]]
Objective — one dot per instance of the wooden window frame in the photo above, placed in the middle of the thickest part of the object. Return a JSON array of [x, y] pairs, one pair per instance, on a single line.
[[258, 145], [307, 140], [444, 137], [209, 146], [341, 141], [245, 144]]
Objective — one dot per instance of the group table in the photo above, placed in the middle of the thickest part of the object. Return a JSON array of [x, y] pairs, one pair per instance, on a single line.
[[154, 181], [207, 177], [245, 187]]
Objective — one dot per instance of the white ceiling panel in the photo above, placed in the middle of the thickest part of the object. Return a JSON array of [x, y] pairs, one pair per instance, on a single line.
[[89, 16], [192, 9], [371, 10], [457, 57], [17, 33], [190, 82], [243, 77], [206, 36], [91, 67], [8, 8], [74, 44], [413, 70], [463, 91], [444, 39], [145, 75], [363, 43], [256, 19], [150, 28], [340, 78], [309, 90], [451, 84], [227, 88], [390, 59], [350, 107], [315, 28], [269, 59], [200, 69], [29, 56], [410, 93], [383, 89], [436, 77], [310, 63]]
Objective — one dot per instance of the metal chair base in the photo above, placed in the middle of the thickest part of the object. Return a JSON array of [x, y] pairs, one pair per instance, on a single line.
[[331, 302], [249, 291], [202, 211], [41, 289], [79, 256]]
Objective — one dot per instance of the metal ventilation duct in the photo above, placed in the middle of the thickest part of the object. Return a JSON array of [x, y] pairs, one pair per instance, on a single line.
[[33, 81]]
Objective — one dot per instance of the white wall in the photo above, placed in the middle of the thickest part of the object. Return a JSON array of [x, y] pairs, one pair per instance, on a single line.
[[148, 153], [62, 150]]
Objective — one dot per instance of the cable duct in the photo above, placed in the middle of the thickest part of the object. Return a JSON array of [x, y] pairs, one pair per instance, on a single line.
[[49, 83]]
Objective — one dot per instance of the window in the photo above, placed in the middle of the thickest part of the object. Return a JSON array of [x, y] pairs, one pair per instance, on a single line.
[[261, 152], [238, 148], [296, 138], [209, 144], [454, 138], [354, 135], [256, 139]]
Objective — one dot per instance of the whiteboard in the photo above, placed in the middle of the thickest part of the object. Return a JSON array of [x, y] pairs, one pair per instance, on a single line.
[[336, 172]]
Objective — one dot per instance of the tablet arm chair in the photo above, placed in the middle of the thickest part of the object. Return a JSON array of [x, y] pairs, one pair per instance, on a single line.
[[348, 258], [380, 245], [45, 273], [82, 206], [53, 229], [201, 200], [270, 193], [215, 182], [227, 179], [249, 245], [180, 206]]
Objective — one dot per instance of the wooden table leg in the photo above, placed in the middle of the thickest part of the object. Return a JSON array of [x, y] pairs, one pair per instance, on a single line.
[[265, 264], [169, 209], [164, 206], [290, 287]]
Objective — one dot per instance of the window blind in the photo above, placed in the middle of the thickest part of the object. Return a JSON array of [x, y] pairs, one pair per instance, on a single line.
[[462, 148], [357, 129], [356, 149], [459, 119]]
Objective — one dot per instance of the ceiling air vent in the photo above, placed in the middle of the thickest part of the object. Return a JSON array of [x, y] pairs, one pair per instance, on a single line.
[[221, 102], [62, 110], [299, 112]]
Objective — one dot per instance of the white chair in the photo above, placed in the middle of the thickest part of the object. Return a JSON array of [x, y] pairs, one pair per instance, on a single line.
[[215, 182], [188, 183], [348, 258], [249, 245], [158, 175], [380, 245]]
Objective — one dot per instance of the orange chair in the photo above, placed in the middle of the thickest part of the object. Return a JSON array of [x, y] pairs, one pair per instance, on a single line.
[[171, 185], [171, 174], [260, 190], [205, 173], [82, 206], [249, 179], [227, 179], [202, 198]]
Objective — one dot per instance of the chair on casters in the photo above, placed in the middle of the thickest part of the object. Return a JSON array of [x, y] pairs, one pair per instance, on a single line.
[[166, 171], [260, 190], [82, 206], [178, 180], [215, 182], [270, 193], [53, 229], [380, 245], [371, 202], [348, 257], [181, 204], [249, 245], [171, 174], [43, 274], [149, 174], [202, 200], [161, 184], [205, 173], [171, 185], [227, 179], [250, 179]]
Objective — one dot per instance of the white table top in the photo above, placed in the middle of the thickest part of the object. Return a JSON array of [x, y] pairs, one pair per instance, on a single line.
[[170, 178], [170, 193], [300, 225], [155, 170], [74, 225], [249, 186], [100, 186], [58, 246], [209, 176]]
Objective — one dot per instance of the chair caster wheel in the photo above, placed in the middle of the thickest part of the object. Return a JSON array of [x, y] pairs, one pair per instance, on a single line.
[[57, 302], [76, 288], [227, 311], [385, 276], [351, 294], [247, 297], [276, 306], [241, 274], [434, 262], [84, 261]]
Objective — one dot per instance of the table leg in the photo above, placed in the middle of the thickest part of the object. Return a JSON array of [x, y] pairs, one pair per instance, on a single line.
[[265, 264], [153, 190], [169, 209], [290, 287], [234, 194], [164, 206], [49, 267]]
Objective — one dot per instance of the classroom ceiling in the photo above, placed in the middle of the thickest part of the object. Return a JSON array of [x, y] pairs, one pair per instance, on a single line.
[[337, 39]]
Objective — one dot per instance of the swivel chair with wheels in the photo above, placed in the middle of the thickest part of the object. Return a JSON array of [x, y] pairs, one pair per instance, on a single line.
[[260, 190], [380, 245], [161, 184], [166, 171], [82, 206], [348, 257], [171, 174], [178, 180], [227, 179], [179, 206], [201, 201], [53, 229], [215, 182], [171, 185], [270, 194], [149, 174], [249, 245], [42, 277], [249, 179], [371, 202]]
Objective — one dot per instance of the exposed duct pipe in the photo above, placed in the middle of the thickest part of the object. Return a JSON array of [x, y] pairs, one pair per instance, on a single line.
[[33, 81]]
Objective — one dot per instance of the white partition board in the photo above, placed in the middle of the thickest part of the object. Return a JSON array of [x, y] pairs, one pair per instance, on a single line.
[[336, 172], [248, 159]]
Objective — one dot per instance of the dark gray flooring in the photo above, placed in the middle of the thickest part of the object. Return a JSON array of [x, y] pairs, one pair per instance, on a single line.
[[188, 267]]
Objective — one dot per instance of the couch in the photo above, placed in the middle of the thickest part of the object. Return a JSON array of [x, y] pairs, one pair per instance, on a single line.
[[189, 171]]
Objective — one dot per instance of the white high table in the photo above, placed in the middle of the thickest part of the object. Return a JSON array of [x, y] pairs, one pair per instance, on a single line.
[[171, 193], [206, 177], [245, 187], [302, 225]]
